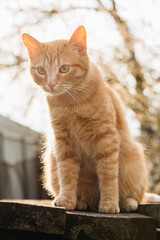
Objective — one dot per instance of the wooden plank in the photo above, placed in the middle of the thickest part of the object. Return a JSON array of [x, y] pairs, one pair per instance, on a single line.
[[29, 217], [152, 210]]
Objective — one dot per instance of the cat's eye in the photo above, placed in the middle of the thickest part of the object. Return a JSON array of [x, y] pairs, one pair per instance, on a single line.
[[64, 68], [41, 70]]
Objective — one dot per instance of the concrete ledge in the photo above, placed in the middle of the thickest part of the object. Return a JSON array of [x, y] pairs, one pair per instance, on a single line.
[[109, 226], [152, 210], [40, 218], [28, 217]]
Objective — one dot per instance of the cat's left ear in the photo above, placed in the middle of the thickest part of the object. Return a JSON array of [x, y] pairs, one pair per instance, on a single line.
[[78, 39], [31, 43]]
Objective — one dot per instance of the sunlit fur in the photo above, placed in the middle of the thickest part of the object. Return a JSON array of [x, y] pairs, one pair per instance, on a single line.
[[91, 160]]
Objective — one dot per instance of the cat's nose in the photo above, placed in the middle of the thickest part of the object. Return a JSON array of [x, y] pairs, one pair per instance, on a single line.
[[51, 84]]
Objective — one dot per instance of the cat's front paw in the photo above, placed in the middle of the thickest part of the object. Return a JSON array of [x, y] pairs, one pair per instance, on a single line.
[[128, 205], [108, 207], [81, 205], [65, 202]]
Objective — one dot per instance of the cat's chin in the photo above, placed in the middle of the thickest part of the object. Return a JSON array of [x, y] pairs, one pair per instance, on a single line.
[[52, 92]]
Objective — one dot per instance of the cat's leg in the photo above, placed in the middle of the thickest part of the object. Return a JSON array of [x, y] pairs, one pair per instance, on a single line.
[[132, 176], [51, 182], [106, 156], [88, 191], [68, 170], [68, 176]]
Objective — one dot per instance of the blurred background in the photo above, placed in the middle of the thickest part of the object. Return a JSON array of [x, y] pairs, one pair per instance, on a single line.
[[123, 39]]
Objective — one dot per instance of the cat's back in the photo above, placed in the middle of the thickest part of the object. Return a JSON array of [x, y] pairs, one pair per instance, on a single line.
[[121, 123]]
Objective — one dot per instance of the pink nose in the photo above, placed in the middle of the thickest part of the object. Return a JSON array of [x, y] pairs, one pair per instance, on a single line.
[[51, 85]]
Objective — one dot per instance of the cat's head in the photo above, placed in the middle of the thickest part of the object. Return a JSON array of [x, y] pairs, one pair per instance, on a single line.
[[58, 65]]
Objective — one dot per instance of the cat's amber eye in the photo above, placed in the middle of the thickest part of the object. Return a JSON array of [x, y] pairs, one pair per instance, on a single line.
[[64, 68], [41, 70]]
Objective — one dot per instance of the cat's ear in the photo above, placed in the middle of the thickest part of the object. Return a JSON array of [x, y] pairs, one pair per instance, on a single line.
[[78, 39], [31, 43]]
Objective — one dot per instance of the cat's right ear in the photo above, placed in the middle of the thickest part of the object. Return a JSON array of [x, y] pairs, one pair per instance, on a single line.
[[31, 43], [78, 39]]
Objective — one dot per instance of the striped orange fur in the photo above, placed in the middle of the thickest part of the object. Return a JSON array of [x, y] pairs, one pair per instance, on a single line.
[[91, 160]]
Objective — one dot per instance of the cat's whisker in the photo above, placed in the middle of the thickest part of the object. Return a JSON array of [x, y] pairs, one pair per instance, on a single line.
[[73, 97], [81, 94], [79, 97], [81, 88], [69, 99], [78, 88]]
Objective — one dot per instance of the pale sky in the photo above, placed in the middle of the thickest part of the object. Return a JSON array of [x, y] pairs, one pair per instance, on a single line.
[[143, 18]]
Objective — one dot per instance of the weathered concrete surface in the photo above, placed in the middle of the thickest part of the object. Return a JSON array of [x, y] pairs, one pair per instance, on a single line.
[[94, 226], [24, 235], [152, 210], [39, 202], [158, 233], [39, 218], [36, 218]]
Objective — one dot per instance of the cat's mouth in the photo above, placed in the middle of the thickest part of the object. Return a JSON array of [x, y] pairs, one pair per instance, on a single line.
[[55, 91]]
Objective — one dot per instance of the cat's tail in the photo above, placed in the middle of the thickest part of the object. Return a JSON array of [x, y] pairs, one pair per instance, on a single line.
[[152, 198]]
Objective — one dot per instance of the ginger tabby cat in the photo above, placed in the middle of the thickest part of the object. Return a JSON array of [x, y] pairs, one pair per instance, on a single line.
[[91, 160]]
